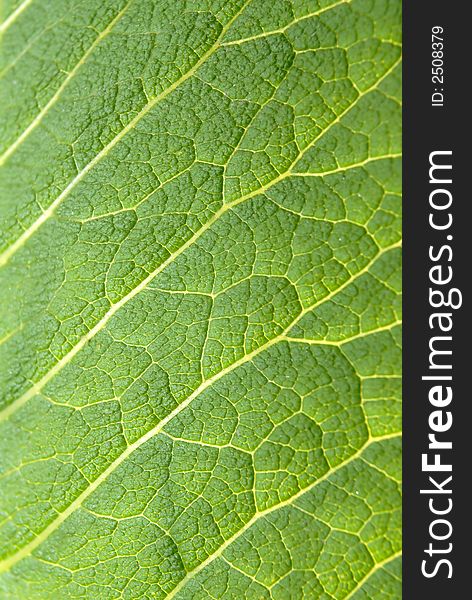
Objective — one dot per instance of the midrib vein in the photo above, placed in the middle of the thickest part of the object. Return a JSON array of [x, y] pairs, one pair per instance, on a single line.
[[289, 502], [28, 548], [37, 387], [42, 113], [11, 250]]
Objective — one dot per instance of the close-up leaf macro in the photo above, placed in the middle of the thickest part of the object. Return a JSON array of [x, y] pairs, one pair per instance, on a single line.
[[200, 288]]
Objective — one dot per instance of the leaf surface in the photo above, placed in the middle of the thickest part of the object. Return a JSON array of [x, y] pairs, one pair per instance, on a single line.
[[200, 285]]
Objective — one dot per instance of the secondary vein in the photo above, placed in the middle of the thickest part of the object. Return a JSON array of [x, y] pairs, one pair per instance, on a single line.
[[14, 15], [40, 116], [11, 250], [38, 386], [75, 504]]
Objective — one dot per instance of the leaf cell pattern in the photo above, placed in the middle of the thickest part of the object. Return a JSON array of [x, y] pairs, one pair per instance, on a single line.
[[200, 280]]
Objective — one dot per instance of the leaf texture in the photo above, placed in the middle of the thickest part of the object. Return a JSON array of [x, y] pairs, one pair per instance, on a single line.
[[200, 282]]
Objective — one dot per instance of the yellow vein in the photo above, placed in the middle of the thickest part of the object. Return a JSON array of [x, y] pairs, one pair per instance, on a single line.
[[377, 377], [376, 567], [347, 340], [10, 334], [288, 26], [14, 15], [75, 504], [115, 307], [40, 116], [7, 254], [24, 50], [37, 387], [342, 169], [276, 507]]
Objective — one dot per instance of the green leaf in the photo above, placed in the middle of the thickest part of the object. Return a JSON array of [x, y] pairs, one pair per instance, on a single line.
[[200, 289]]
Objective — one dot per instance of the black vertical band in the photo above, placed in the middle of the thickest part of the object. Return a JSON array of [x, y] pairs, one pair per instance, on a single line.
[[437, 260]]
